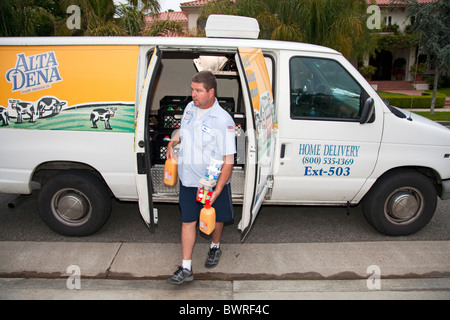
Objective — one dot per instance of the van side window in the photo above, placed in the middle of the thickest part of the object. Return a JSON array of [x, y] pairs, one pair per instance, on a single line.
[[321, 89]]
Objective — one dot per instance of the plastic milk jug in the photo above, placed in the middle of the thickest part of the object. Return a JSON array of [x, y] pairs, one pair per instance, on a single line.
[[207, 219], [170, 172]]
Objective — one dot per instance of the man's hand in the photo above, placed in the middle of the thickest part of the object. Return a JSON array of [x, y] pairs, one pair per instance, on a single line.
[[173, 142], [225, 174]]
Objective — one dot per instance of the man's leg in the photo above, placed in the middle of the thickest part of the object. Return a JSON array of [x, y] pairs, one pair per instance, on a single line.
[[215, 252], [184, 272], [189, 212], [188, 236], [217, 233], [224, 213]]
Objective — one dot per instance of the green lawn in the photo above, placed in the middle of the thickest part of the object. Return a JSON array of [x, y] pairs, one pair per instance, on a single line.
[[445, 91], [417, 102], [438, 116], [404, 101]]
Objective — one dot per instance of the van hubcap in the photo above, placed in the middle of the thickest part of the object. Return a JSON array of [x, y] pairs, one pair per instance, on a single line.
[[404, 205], [71, 207]]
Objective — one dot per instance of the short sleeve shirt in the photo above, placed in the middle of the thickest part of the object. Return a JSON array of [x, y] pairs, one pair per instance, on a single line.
[[211, 136]]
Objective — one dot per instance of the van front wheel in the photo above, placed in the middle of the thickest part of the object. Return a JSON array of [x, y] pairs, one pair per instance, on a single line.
[[74, 203], [401, 203]]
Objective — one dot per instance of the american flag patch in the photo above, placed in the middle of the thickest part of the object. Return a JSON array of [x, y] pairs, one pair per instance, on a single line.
[[230, 128]]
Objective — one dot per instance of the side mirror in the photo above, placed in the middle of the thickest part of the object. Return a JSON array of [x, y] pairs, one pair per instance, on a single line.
[[368, 111]]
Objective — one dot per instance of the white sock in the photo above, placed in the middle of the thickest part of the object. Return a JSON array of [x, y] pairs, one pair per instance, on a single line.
[[214, 245], [187, 264]]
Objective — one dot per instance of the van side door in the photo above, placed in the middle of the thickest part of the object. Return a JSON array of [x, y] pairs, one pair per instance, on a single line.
[[142, 145], [259, 109], [327, 151]]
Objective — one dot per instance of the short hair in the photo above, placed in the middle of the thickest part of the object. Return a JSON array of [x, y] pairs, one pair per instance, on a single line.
[[207, 79]]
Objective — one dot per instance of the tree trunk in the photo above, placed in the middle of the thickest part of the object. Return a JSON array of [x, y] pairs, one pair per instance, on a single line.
[[435, 85]]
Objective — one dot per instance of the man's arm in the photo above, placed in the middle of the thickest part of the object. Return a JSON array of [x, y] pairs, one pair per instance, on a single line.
[[227, 169], [172, 143]]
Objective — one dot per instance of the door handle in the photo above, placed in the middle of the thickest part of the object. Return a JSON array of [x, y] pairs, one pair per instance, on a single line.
[[283, 151]]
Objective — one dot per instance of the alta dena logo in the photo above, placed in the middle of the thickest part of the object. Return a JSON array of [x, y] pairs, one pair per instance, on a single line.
[[34, 73]]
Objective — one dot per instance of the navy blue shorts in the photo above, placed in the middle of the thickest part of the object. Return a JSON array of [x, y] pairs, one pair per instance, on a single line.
[[190, 207]]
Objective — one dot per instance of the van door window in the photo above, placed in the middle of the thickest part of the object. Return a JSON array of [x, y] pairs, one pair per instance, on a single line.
[[321, 89]]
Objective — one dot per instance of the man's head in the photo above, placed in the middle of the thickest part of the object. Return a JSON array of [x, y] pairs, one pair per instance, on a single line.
[[204, 88]]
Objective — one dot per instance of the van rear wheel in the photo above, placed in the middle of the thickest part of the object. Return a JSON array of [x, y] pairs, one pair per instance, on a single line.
[[401, 203], [74, 203]]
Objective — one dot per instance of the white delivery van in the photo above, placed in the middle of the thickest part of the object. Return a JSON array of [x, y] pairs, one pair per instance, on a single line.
[[89, 119]]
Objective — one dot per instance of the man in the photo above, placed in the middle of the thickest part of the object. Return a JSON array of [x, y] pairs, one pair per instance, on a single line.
[[206, 132]]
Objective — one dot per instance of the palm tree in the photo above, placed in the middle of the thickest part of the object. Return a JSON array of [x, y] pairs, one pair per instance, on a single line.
[[338, 24], [132, 19], [103, 18], [151, 6], [162, 28], [333, 23], [26, 18], [97, 18]]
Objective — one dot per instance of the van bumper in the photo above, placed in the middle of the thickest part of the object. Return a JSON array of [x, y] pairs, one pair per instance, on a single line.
[[445, 190]]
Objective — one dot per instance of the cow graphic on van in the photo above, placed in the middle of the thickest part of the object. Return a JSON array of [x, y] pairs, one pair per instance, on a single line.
[[102, 114], [51, 113], [4, 116], [24, 110], [49, 107], [31, 111]]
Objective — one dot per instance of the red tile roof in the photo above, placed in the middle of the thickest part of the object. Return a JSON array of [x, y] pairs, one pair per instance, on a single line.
[[173, 16], [200, 3], [197, 3], [388, 2]]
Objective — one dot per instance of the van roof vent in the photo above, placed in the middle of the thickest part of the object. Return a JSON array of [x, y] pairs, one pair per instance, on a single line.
[[223, 26]]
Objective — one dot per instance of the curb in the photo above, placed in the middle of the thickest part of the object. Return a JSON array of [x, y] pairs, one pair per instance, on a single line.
[[300, 261]]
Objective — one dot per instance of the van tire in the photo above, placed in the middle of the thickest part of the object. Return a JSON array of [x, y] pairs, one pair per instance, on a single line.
[[400, 203], [74, 203]]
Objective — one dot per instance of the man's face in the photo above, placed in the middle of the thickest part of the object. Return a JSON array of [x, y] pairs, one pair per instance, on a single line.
[[202, 99]]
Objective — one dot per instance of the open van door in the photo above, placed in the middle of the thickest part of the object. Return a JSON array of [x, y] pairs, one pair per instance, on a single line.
[[259, 109], [142, 146]]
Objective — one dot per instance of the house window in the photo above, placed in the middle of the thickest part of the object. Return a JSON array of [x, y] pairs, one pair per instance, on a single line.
[[388, 20]]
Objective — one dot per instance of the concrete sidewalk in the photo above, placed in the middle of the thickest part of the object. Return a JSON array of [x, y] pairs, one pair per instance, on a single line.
[[157, 261], [236, 290], [39, 270]]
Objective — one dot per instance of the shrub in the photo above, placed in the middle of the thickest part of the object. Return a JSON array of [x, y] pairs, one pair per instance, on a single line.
[[419, 102], [418, 69], [367, 71]]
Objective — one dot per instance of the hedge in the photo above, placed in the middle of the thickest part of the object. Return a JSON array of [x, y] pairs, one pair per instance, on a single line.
[[419, 102]]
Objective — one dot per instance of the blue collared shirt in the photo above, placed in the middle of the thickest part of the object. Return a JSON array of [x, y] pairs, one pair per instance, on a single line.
[[210, 137]]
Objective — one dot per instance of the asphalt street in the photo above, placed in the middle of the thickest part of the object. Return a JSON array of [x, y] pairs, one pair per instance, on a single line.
[[274, 224], [291, 253]]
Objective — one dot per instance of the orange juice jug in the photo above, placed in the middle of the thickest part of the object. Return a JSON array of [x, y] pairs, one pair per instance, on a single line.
[[170, 172], [207, 219]]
